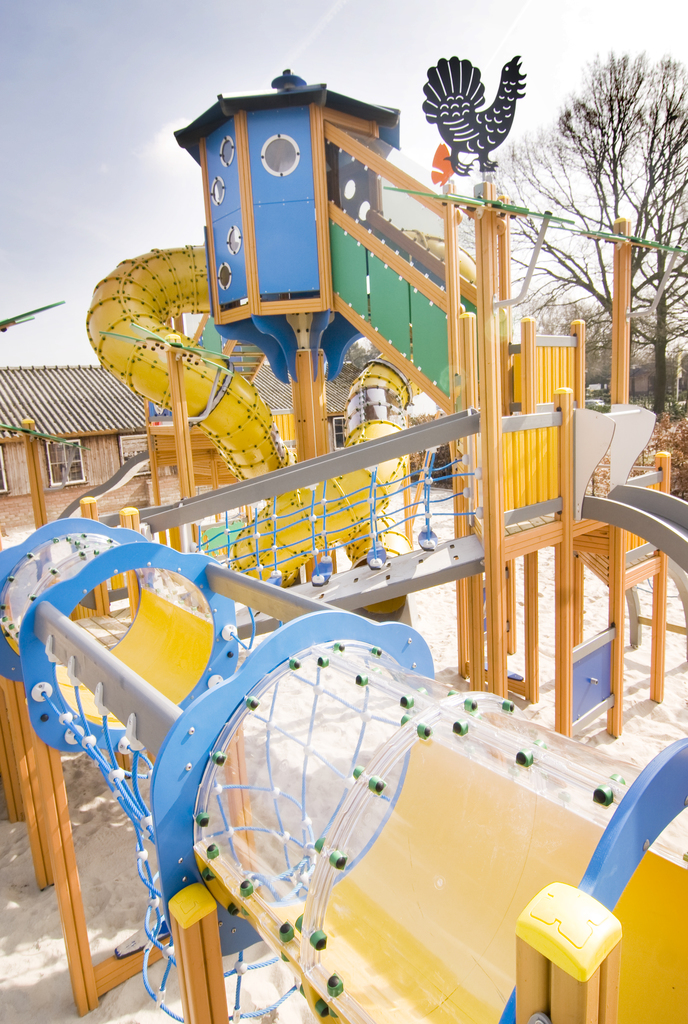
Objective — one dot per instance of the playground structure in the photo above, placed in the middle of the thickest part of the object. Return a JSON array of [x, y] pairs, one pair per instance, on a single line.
[[316, 863]]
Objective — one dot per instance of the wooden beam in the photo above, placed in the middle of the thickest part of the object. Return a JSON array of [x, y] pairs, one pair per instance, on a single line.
[[89, 510], [322, 223], [621, 307], [22, 741], [195, 932], [129, 518], [531, 582], [33, 466], [8, 766], [180, 422], [395, 357], [246, 193], [67, 885], [310, 411], [349, 122], [115, 970], [563, 572], [385, 253], [490, 386]]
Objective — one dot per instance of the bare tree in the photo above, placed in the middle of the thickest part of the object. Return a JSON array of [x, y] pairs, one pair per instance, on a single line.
[[618, 148]]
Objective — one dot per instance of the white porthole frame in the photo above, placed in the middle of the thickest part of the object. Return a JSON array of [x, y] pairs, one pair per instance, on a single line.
[[235, 252], [223, 266], [227, 163], [217, 202], [273, 138]]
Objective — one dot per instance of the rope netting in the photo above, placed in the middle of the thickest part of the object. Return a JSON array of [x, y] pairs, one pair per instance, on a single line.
[[399, 505], [125, 786]]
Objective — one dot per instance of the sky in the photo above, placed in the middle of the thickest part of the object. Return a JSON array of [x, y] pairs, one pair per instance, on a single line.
[[90, 173]]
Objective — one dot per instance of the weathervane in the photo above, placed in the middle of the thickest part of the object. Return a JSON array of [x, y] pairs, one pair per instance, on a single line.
[[454, 92]]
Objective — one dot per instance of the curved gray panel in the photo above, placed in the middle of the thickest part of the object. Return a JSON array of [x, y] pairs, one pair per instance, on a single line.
[[664, 533], [666, 506]]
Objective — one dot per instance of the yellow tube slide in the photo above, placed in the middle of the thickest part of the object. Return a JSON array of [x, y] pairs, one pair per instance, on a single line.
[[150, 289]]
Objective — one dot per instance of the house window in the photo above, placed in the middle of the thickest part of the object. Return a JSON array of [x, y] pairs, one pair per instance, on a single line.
[[61, 456], [339, 428], [3, 478]]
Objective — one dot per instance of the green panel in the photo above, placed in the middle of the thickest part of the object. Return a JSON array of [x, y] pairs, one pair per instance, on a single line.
[[430, 350], [468, 306], [211, 339], [389, 305], [349, 269]]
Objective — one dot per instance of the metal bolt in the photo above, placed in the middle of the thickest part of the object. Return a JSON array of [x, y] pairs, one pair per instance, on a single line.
[[191, 731], [180, 861], [646, 845], [188, 767]]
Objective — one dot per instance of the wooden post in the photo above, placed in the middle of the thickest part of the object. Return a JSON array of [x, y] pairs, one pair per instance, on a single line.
[[579, 392], [505, 337], [621, 362], [67, 885], [473, 587], [490, 386], [152, 456], [130, 518], [180, 419], [195, 932], [563, 572], [457, 393], [571, 980], [33, 465], [89, 510], [22, 741], [659, 597], [310, 410], [8, 766], [531, 608]]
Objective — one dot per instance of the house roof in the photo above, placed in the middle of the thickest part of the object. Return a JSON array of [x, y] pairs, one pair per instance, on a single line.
[[278, 395], [67, 400]]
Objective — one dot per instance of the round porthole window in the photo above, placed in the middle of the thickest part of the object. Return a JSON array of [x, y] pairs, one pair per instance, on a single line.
[[280, 155], [217, 190], [224, 276], [227, 150], [234, 240]]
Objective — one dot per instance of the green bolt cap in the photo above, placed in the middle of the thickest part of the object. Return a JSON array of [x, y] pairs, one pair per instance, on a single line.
[[323, 662], [321, 1008], [218, 757], [424, 731], [376, 652], [405, 719], [318, 940], [618, 778], [252, 703], [246, 888], [470, 704], [319, 843], [335, 986], [603, 795], [298, 923], [452, 693], [294, 663], [421, 689], [202, 819], [284, 957], [376, 785], [233, 909], [213, 851], [358, 771], [460, 728], [286, 932], [340, 647], [207, 875], [540, 743], [338, 860], [524, 758], [508, 706], [361, 680], [407, 701]]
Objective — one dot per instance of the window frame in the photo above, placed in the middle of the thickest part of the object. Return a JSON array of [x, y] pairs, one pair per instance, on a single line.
[[77, 460], [335, 421], [4, 489]]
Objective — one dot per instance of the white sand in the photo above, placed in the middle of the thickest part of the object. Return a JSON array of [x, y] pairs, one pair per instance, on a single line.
[[34, 983]]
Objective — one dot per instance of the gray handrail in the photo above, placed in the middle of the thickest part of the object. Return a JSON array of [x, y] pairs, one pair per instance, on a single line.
[[312, 472], [283, 605]]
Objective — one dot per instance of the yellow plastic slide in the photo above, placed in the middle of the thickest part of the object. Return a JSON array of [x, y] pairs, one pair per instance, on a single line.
[[150, 289]]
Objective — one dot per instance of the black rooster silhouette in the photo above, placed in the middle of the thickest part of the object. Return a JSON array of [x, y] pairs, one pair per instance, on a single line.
[[454, 92]]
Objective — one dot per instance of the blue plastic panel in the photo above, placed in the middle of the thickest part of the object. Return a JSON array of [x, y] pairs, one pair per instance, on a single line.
[[284, 207], [263, 125], [586, 694], [227, 213], [287, 248]]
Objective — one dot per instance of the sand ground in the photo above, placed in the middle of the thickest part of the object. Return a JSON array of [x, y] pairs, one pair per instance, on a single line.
[[34, 983]]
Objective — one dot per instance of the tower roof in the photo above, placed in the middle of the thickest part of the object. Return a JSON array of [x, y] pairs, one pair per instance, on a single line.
[[284, 94]]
